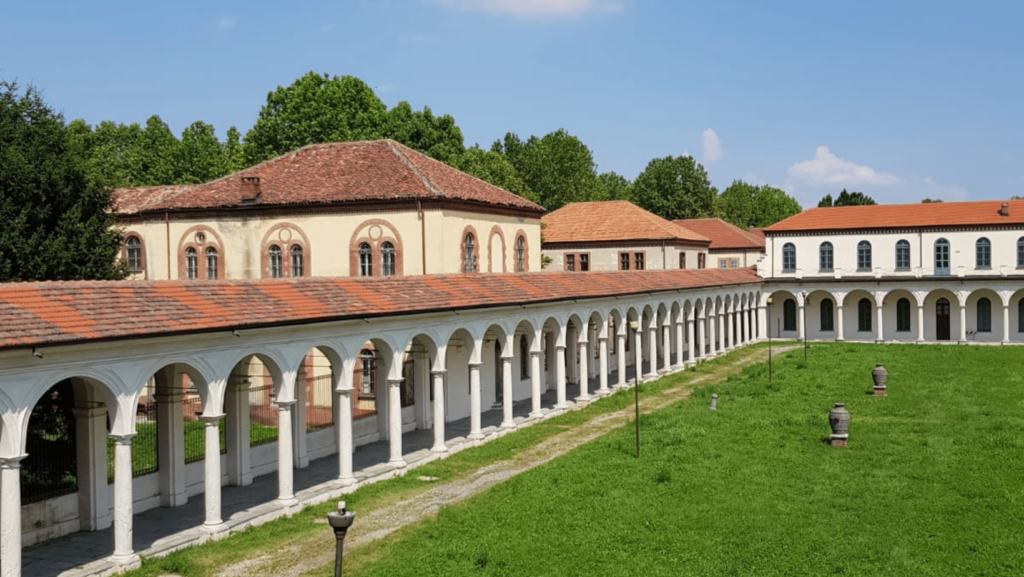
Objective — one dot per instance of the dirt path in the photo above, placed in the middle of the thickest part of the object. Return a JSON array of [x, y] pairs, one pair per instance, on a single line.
[[301, 557]]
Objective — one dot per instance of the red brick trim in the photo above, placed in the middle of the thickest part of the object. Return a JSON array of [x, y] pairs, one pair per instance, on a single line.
[[496, 230], [462, 248], [188, 240], [142, 252], [388, 233], [285, 239], [526, 251]]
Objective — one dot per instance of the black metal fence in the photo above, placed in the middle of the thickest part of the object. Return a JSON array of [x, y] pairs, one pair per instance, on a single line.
[[319, 406], [145, 457], [50, 469], [195, 430], [262, 415]]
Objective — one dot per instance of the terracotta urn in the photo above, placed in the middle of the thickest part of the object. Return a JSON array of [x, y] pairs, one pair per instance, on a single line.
[[879, 375], [839, 420]]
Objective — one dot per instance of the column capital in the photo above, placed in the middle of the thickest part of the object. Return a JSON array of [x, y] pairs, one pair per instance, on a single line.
[[475, 365], [581, 342], [285, 405], [11, 462], [535, 353], [559, 347], [345, 392], [507, 359], [395, 382], [210, 418], [602, 337], [436, 372], [122, 439]]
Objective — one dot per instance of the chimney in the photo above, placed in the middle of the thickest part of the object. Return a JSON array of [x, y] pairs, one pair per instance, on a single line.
[[1005, 209], [250, 189]]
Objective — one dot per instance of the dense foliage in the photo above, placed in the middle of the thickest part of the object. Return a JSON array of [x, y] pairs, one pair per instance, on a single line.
[[675, 187], [847, 199], [557, 168], [746, 205]]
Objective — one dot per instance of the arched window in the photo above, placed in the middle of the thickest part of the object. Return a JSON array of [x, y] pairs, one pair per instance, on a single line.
[[984, 315], [863, 255], [297, 260], [211, 263], [1020, 252], [789, 315], [864, 315], [469, 253], [133, 253], [903, 315], [275, 261], [825, 256], [942, 256], [191, 263], [521, 254], [827, 318], [365, 260], [788, 257], [524, 357], [1020, 316], [387, 259], [368, 383], [983, 253], [902, 255]]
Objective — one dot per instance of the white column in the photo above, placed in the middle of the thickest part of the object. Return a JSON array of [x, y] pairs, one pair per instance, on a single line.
[[920, 323], [560, 377], [652, 350], [762, 322], [963, 323], [620, 353], [211, 469], [299, 455], [10, 516], [285, 484], [474, 402], [584, 372], [236, 434], [638, 340], [438, 380], [730, 333], [840, 336], [689, 340], [602, 364], [800, 322], [700, 337], [535, 377], [680, 347], [343, 436], [880, 331], [395, 423], [507, 421], [1006, 324], [666, 347], [123, 552], [721, 332], [711, 335]]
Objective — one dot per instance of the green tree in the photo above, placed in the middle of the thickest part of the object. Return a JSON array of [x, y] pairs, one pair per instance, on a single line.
[[56, 215], [199, 157], [613, 186], [315, 108], [847, 199], [436, 136], [746, 205], [675, 187], [930, 200], [557, 168], [494, 168]]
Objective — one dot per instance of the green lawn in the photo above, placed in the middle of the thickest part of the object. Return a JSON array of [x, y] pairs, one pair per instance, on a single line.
[[932, 482]]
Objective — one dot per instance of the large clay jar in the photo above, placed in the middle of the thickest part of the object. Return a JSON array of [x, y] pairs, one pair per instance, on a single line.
[[839, 420], [879, 375]]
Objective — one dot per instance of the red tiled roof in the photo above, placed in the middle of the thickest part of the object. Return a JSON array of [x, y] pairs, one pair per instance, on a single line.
[[612, 220], [322, 174], [50, 313], [723, 235], [878, 216]]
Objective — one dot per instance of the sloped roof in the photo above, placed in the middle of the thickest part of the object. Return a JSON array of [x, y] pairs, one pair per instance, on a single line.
[[324, 174], [880, 216], [723, 235], [49, 313], [612, 220]]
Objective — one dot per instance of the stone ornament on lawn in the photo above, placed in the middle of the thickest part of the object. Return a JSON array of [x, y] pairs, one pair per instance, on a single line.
[[839, 420], [879, 375]]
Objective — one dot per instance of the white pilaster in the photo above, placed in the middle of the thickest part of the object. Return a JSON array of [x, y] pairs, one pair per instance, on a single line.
[[652, 350], [10, 516], [679, 345], [638, 355], [124, 554], [666, 347], [507, 422], [91, 452], [474, 402], [211, 470], [762, 322], [299, 455], [711, 336], [438, 380]]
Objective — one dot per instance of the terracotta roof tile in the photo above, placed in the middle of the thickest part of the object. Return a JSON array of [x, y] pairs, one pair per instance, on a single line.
[[613, 220], [50, 313], [723, 235], [323, 174], [880, 216]]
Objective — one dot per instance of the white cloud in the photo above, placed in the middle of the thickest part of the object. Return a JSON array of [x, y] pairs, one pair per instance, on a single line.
[[711, 145], [827, 168], [686, 154], [534, 8], [226, 23], [751, 178]]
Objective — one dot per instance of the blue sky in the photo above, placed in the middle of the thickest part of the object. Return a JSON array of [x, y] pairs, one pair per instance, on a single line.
[[899, 99]]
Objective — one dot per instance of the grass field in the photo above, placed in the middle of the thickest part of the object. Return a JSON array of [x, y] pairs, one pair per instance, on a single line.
[[932, 482]]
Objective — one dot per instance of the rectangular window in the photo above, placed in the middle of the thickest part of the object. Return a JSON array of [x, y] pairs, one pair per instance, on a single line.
[[638, 259], [734, 263], [682, 260], [723, 263], [623, 261], [584, 262], [570, 262], [701, 260]]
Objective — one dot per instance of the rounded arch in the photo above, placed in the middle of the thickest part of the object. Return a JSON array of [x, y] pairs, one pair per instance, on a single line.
[[469, 249], [941, 319], [285, 235], [522, 252], [374, 232], [89, 385], [496, 231], [984, 316], [198, 238]]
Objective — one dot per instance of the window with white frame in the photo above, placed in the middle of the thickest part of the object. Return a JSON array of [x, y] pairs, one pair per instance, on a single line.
[[387, 259], [297, 261], [864, 255], [191, 263], [825, 256], [276, 269], [942, 256], [788, 257], [365, 259], [211, 263], [902, 255], [983, 253]]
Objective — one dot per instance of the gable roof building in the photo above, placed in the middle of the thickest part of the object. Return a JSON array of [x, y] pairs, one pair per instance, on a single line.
[[731, 246]]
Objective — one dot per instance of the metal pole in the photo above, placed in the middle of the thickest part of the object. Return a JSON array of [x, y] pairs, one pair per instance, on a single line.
[[768, 311], [340, 542], [636, 404]]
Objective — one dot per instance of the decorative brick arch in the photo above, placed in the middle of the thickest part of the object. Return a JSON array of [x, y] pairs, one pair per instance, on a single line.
[[496, 230], [526, 251], [142, 252], [375, 232], [462, 248], [191, 240], [283, 234]]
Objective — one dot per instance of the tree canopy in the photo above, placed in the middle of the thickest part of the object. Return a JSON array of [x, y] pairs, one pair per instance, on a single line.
[[57, 224], [746, 205], [847, 199], [557, 168], [494, 168], [613, 186], [675, 187], [436, 136]]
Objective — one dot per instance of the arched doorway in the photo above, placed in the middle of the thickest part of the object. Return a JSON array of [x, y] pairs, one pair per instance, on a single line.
[[942, 319]]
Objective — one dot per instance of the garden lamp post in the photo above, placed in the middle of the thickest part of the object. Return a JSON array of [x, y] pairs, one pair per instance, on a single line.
[[807, 301], [340, 522], [635, 325], [768, 311]]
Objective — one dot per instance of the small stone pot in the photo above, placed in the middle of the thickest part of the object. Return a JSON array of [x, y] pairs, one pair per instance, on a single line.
[[879, 375], [839, 420]]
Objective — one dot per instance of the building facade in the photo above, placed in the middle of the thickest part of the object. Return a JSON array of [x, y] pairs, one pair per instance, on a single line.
[[731, 246]]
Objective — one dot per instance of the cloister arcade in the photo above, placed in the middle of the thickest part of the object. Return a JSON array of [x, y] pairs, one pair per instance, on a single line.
[[269, 400]]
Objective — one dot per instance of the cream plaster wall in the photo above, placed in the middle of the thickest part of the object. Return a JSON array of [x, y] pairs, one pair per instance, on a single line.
[[656, 257], [446, 233], [745, 257]]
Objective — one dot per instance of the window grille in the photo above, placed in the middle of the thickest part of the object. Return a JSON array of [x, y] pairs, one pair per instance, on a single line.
[[297, 261], [191, 263], [825, 256], [789, 315], [902, 255], [864, 315], [984, 315], [387, 259], [520, 254], [864, 255], [788, 257], [275, 261], [983, 253], [211, 263], [365, 260], [827, 316], [133, 248]]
